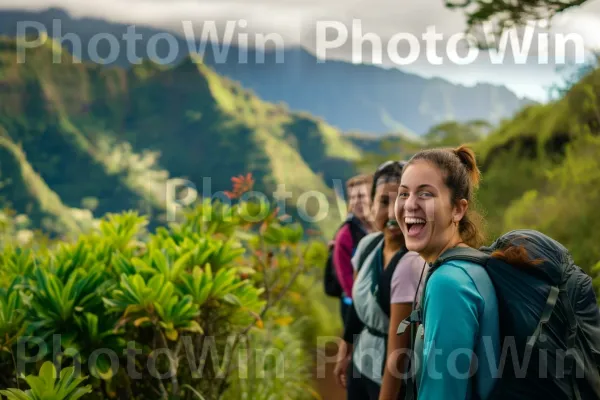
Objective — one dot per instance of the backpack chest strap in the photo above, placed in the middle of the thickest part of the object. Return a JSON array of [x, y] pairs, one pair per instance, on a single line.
[[415, 317]]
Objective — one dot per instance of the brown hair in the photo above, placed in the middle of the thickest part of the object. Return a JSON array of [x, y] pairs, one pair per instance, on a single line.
[[516, 256], [461, 177], [358, 180]]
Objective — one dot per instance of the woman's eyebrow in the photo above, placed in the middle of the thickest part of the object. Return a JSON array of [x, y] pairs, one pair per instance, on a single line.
[[420, 186]]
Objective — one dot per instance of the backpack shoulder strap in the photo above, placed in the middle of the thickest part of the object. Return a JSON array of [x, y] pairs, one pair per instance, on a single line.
[[369, 249], [461, 253], [356, 229], [456, 253]]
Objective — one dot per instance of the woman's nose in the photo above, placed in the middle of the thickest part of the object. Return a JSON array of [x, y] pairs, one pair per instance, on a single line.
[[410, 203], [392, 211]]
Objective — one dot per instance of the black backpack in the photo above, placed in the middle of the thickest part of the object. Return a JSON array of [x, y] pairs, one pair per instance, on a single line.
[[331, 283], [549, 313]]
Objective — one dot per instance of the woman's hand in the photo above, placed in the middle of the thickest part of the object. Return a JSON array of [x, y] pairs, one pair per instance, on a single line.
[[340, 371], [343, 361]]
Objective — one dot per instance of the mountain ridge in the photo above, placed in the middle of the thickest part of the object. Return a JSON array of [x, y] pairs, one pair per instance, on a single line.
[[116, 135], [350, 97]]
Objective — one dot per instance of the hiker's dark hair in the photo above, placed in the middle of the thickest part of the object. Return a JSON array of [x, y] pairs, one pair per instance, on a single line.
[[462, 176], [386, 172]]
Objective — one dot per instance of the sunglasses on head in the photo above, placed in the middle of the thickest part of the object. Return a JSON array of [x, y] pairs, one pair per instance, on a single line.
[[382, 177], [388, 163]]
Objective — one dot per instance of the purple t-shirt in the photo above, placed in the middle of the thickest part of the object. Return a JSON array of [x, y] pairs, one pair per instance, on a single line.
[[405, 281]]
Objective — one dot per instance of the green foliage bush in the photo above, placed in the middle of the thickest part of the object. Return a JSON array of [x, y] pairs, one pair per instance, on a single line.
[[45, 386], [189, 299], [565, 207]]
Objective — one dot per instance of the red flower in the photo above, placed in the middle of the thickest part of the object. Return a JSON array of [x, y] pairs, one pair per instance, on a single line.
[[241, 185]]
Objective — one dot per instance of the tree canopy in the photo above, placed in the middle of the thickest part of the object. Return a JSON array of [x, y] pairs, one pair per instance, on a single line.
[[506, 14]]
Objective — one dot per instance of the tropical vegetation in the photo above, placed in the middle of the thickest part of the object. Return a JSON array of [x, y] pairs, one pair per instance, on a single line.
[[219, 305]]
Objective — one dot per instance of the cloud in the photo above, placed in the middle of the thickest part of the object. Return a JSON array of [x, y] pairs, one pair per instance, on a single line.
[[296, 22], [291, 18]]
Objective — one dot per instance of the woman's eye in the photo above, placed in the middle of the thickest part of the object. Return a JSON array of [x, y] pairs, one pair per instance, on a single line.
[[425, 194], [403, 195]]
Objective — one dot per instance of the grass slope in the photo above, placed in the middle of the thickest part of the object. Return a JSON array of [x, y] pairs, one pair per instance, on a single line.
[[541, 170], [116, 135], [23, 186]]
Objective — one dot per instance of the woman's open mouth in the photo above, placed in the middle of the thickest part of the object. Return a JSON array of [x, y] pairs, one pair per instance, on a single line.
[[414, 226]]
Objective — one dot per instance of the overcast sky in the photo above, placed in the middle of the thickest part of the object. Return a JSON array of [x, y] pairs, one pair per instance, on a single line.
[[295, 21]]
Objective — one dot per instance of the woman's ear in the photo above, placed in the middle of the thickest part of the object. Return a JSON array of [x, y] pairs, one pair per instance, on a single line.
[[460, 209]]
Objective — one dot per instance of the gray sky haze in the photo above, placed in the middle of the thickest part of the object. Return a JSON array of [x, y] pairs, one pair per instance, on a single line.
[[296, 21]]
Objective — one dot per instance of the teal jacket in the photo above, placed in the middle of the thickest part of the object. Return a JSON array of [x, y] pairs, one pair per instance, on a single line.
[[460, 324]]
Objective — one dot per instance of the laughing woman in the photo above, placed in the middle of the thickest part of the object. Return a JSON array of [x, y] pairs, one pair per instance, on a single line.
[[371, 356], [459, 304]]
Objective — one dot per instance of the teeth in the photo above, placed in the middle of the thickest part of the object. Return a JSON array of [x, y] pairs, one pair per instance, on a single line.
[[411, 220]]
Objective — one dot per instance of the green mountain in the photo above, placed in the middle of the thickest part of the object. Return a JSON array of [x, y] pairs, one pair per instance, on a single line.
[[351, 97], [109, 138], [25, 187]]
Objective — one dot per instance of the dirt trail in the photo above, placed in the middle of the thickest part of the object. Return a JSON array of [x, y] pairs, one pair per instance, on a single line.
[[325, 384]]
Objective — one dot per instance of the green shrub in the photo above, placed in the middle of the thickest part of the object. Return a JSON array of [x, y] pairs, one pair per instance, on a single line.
[[45, 386], [167, 313], [565, 206]]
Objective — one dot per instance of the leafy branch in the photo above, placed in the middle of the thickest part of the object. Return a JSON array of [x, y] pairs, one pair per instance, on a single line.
[[270, 303], [507, 14]]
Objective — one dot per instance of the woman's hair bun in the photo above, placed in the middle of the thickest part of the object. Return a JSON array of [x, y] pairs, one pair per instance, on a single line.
[[467, 158]]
